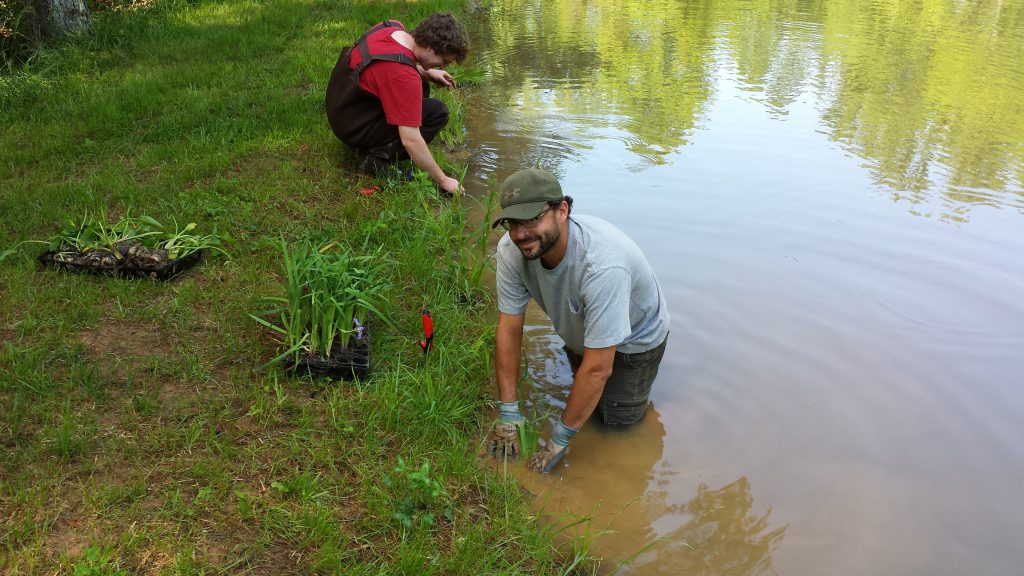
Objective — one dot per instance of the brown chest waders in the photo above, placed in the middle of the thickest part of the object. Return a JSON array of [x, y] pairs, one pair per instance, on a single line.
[[356, 116]]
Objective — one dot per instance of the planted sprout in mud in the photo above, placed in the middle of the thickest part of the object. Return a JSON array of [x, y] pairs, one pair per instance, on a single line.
[[532, 406], [530, 431], [329, 291], [475, 256]]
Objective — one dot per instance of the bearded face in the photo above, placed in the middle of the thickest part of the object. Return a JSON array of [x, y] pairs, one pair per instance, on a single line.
[[535, 241]]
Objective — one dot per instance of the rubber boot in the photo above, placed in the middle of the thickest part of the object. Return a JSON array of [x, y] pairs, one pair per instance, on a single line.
[[379, 161], [373, 164]]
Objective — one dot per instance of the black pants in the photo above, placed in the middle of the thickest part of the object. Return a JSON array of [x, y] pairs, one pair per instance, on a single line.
[[628, 390], [381, 139]]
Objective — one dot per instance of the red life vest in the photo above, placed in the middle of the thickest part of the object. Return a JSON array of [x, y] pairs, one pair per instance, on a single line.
[[350, 109]]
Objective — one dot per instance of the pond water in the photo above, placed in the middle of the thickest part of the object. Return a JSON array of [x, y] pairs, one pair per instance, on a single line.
[[830, 192]]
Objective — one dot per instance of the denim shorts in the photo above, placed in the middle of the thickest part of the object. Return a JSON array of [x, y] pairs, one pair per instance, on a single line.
[[628, 390]]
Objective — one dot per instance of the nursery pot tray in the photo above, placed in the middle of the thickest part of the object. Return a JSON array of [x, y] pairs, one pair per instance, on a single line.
[[344, 364], [80, 262]]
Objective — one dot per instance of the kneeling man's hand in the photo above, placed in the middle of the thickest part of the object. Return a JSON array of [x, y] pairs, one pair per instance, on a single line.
[[552, 452], [505, 443], [546, 456]]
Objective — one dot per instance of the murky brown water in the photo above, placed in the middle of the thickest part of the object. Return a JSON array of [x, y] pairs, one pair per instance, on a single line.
[[831, 194]]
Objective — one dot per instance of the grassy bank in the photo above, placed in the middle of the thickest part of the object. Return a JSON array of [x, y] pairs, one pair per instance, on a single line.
[[139, 433]]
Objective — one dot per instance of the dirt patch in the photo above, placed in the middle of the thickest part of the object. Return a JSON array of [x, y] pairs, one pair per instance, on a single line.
[[69, 536], [70, 530], [299, 89], [117, 345], [152, 560], [175, 396], [280, 558]]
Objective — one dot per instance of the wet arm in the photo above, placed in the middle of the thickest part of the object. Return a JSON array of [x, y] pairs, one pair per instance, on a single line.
[[508, 344], [588, 385]]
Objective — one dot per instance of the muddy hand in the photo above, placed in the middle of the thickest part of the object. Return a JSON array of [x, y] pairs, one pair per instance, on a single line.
[[441, 78], [553, 450], [545, 458], [505, 441]]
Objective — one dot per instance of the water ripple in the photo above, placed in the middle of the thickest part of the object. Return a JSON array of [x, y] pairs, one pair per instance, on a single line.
[[952, 296]]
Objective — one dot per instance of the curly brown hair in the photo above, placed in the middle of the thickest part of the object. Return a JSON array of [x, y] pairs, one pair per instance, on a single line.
[[443, 34], [557, 203]]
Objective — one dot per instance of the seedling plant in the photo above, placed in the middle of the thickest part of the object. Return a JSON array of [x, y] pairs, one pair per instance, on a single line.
[[329, 291], [96, 234], [531, 430], [96, 242], [420, 496]]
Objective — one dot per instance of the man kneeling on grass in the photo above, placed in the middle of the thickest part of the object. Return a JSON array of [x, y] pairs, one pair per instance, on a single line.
[[378, 95], [602, 298]]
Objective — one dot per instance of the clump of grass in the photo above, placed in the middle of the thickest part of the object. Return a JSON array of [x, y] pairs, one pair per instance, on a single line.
[[454, 134], [468, 75], [329, 291], [475, 257], [96, 561], [467, 256], [69, 441], [15, 41]]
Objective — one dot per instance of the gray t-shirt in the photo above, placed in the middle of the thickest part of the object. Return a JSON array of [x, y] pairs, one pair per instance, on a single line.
[[603, 293]]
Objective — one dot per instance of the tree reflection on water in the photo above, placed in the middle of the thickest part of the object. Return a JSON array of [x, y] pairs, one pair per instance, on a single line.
[[722, 536], [926, 93], [618, 494]]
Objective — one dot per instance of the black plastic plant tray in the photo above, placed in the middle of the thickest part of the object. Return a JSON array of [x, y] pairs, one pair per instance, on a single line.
[[345, 364], [165, 271]]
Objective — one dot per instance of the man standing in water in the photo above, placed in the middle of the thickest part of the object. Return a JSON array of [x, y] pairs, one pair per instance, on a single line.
[[378, 95], [602, 298]]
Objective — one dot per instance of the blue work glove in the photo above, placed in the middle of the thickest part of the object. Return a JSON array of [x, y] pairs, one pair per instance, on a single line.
[[505, 443], [553, 450]]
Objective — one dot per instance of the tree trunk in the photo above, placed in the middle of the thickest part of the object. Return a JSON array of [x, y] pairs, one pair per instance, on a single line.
[[55, 18]]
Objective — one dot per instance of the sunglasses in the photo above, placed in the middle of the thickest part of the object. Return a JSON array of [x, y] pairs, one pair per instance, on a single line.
[[510, 224]]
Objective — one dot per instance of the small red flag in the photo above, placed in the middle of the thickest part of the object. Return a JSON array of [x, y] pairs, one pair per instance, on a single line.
[[428, 332]]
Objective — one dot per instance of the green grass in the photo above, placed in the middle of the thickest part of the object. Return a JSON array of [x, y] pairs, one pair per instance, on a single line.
[[139, 434]]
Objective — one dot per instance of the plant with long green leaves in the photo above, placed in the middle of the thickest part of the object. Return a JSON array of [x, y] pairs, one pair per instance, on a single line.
[[329, 291], [183, 241], [472, 254], [475, 256], [467, 257], [536, 417], [100, 234], [90, 234]]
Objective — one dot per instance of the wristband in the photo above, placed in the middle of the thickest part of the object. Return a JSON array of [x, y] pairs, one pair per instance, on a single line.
[[561, 434]]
